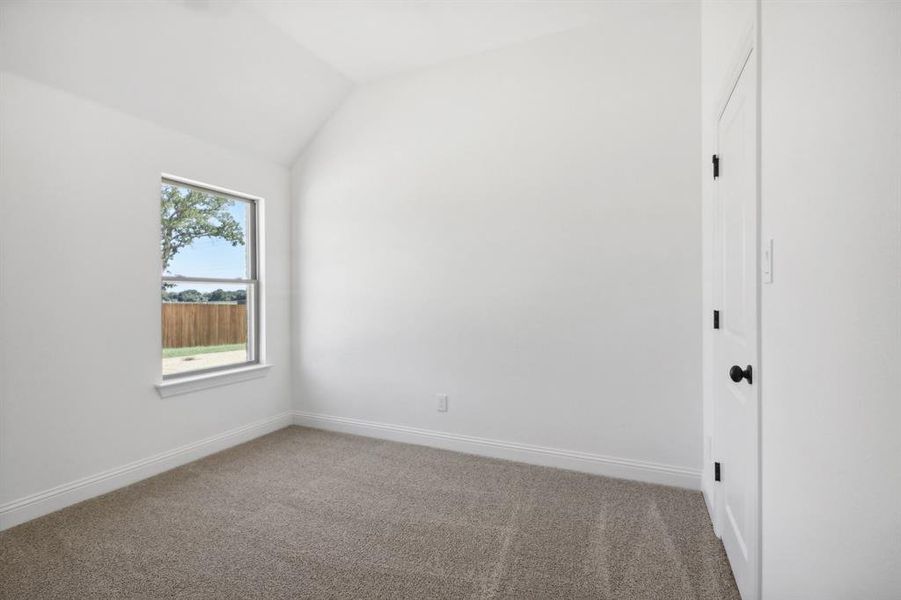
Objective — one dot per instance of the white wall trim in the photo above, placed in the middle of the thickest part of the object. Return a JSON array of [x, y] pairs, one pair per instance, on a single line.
[[195, 383], [30, 507], [573, 460], [35, 505]]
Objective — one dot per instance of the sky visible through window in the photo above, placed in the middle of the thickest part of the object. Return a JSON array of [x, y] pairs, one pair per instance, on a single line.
[[213, 257]]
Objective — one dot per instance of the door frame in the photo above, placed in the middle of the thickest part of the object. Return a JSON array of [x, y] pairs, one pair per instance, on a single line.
[[748, 51]]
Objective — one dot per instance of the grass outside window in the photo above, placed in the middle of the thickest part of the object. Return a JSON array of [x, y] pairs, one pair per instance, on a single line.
[[179, 352]]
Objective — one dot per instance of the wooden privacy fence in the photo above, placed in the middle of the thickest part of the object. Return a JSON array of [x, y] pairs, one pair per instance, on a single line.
[[187, 324]]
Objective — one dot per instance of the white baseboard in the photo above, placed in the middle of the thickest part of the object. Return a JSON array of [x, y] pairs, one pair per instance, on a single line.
[[33, 506], [550, 457], [30, 507]]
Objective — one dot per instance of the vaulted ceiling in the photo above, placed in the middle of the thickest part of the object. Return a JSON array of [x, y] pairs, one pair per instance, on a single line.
[[259, 76], [211, 70], [371, 39]]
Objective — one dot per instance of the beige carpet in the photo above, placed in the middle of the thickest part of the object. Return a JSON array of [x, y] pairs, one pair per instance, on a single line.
[[303, 513]]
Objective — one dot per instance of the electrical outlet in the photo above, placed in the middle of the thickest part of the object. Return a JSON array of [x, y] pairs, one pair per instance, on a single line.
[[442, 402]]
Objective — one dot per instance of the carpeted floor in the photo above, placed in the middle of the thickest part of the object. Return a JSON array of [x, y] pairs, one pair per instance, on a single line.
[[302, 513]]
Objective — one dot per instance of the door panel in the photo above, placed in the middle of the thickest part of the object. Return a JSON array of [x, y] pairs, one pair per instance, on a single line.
[[735, 343]]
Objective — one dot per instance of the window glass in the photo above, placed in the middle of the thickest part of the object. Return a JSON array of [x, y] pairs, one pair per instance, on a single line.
[[205, 326], [208, 288], [204, 234]]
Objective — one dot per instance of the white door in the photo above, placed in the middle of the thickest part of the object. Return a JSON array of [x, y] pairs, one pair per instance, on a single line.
[[735, 342]]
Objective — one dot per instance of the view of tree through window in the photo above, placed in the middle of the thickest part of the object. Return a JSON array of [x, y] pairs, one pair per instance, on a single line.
[[208, 253]]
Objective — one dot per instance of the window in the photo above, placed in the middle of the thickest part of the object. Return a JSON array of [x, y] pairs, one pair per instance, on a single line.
[[210, 286]]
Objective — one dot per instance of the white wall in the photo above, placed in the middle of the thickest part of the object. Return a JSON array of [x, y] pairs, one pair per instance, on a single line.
[[79, 290], [831, 189], [521, 231]]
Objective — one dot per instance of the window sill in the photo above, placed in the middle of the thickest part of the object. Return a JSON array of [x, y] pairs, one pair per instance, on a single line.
[[188, 384]]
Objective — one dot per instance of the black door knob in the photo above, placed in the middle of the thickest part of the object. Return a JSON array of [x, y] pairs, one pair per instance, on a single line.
[[736, 373]]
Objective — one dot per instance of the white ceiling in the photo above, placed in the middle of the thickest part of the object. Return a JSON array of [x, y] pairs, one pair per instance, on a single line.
[[212, 70], [260, 76], [371, 39]]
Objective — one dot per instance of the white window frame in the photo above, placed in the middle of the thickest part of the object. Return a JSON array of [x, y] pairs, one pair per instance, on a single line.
[[256, 365]]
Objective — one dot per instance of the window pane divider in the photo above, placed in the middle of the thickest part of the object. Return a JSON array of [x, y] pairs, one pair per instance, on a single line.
[[181, 278]]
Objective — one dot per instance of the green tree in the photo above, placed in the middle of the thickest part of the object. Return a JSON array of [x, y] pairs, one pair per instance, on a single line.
[[187, 215], [190, 296], [219, 295]]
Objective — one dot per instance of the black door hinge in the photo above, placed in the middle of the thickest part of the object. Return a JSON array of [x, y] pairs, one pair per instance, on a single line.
[[716, 166], [716, 471], [716, 319]]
